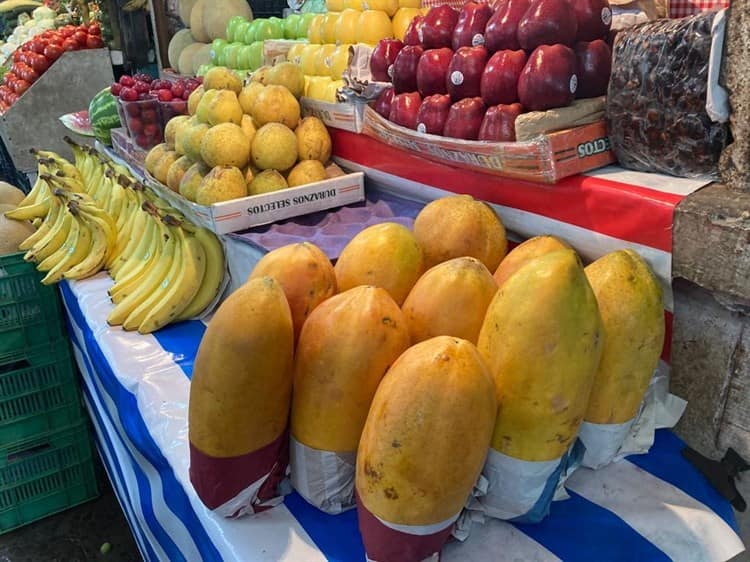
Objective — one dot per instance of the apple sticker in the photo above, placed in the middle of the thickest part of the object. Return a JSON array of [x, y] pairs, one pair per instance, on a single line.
[[457, 78], [477, 40], [422, 128], [573, 84], [606, 15]]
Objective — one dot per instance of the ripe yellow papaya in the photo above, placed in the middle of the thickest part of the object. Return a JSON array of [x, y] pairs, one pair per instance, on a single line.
[[384, 255], [525, 252], [427, 433], [240, 392], [457, 226], [305, 273], [346, 346], [630, 302], [542, 339], [450, 299]]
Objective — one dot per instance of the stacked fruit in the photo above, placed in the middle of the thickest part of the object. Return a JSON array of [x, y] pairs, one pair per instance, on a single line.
[[469, 74], [409, 336], [34, 57], [145, 104], [362, 21], [241, 141], [95, 216]]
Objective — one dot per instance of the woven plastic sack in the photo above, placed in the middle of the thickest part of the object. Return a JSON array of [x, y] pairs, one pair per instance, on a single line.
[[656, 110]]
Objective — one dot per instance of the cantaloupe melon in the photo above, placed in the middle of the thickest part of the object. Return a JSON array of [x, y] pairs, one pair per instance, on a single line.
[[185, 64], [185, 7], [217, 14], [10, 194], [179, 41], [196, 21], [202, 56], [12, 232]]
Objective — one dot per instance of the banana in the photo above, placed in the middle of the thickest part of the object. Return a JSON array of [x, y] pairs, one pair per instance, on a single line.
[[213, 278], [181, 291], [124, 227], [30, 212], [93, 261], [79, 248], [44, 228], [52, 250], [68, 183], [38, 192], [144, 259], [107, 224], [140, 233], [156, 275]]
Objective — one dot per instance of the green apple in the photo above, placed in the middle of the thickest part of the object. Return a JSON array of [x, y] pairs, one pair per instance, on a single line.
[[290, 26], [217, 51], [277, 26], [252, 31], [304, 24], [232, 28], [230, 54], [240, 33], [255, 60]]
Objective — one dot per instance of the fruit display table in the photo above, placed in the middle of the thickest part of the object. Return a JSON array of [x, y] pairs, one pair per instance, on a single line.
[[648, 507]]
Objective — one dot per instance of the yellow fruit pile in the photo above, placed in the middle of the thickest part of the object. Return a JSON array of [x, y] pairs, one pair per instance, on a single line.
[[241, 140], [362, 21]]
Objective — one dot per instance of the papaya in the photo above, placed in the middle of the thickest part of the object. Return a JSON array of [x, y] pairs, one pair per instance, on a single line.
[[240, 394], [427, 434], [525, 252], [346, 346], [384, 255], [632, 310], [306, 275], [542, 339], [457, 226], [450, 299]]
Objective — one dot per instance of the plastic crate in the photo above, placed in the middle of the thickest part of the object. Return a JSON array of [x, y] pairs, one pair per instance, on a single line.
[[38, 393], [30, 312], [46, 475]]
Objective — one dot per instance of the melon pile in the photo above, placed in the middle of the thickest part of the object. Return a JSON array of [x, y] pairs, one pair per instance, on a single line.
[[190, 48], [12, 232], [241, 140], [420, 352]]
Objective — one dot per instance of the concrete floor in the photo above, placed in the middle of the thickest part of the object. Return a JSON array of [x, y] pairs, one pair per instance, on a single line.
[[75, 535]]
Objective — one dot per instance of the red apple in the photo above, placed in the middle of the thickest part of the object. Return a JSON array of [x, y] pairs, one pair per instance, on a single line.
[[405, 69], [594, 65], [502, 27], [94, 42], [413, 34], [432, 114], [500, 77], [404, 109], [383, 103], [469, 30], [594, 19], [383, 57], [438, 26], [547, 22], [549, 78], [465, 119], [465, 72], [432, 71], [499, 123]]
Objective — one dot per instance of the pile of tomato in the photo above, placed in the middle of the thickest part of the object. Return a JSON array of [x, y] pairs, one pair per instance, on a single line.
[[35, 56]]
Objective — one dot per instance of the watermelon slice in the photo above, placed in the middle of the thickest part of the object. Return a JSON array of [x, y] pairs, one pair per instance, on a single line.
[[78, 122]]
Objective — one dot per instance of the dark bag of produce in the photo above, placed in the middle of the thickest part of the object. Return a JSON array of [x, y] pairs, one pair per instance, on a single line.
[[656, 104]]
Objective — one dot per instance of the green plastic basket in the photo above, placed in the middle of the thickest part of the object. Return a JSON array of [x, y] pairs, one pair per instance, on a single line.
[[29, 311], [46, 475], [38, 393]]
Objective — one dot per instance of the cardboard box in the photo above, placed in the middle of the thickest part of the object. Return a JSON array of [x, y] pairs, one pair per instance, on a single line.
[[124, 147], [275, 50], [345, 116], [240, 214], [547, 158]]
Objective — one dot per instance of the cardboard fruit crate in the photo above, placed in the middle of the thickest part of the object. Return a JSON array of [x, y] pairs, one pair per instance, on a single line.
[[46, 475], [345, 116], [546, 158]]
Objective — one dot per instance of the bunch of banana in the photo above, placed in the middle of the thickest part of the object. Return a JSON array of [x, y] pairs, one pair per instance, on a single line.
[[169, 270]]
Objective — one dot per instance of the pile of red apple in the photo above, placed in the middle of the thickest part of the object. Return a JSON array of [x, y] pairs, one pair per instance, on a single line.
[[35, 56], [146, 104], [469, 74]]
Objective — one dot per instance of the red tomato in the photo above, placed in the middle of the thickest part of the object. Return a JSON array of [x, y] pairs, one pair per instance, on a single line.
[[95, 29], [21, 86], [80, 38], [17, 55], [53, 52], [17, 68], [8, 79], [12, 98], [70, 44], [94, 42], [39, 62], [67, 31], [37, 45]]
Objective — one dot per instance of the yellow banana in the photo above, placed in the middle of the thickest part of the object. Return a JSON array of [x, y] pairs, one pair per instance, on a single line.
[[175, 297], [38, 192], [107, 224], [143, 260], [30, 212], [94, 259], [140, 231], [76, 252], [213, 277], [45, 226]]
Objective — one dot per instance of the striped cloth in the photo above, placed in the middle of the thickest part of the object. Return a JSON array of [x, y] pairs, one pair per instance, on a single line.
[[647, 507], [683, 8]]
